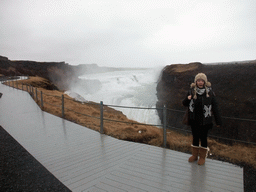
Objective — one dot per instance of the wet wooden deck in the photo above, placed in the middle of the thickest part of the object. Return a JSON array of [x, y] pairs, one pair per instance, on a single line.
[[85, 160]]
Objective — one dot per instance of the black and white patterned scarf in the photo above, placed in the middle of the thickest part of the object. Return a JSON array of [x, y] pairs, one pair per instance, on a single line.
[[200, 91]]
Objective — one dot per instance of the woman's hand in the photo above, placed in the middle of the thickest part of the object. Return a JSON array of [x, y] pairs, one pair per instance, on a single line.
[[189, 97]]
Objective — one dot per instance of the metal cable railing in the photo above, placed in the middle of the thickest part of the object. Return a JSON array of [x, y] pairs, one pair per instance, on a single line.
[[120, 106], [133, 123], [164, 125], [241, 119]]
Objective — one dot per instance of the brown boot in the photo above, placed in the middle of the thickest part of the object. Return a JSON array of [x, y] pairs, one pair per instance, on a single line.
[[203, 152], [195, 152]]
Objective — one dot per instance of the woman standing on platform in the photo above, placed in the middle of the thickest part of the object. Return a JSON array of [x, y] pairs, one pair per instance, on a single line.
[[202, 105]]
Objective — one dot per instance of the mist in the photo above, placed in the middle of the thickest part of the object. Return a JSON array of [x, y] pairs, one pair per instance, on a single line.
[[126, 87]]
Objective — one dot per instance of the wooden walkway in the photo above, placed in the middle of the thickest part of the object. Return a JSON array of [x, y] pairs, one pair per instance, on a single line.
[[85, 160]]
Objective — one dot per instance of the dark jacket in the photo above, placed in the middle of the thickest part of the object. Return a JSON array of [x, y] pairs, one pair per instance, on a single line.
[[202, 109]]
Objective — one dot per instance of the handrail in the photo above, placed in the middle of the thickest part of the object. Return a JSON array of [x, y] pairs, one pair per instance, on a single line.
[[131, 107], [241, 119]]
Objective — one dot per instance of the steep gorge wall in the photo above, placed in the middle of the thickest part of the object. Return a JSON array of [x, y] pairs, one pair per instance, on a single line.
[[235, 89], [57, 72]]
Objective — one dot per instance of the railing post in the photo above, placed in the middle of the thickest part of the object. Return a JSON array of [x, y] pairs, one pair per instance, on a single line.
[[32, 92], [42, 102], [62, 99], [164, 126], [22, 86], [101, 118], [36, 94]]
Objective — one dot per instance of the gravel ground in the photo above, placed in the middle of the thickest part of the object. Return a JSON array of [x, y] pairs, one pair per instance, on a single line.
[[249, 178], [20, 171]]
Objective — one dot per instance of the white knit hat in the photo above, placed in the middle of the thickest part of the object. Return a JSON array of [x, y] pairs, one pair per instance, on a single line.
[[207, 84]]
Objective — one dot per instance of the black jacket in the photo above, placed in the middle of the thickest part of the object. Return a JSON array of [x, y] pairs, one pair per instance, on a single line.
[[202, 109]]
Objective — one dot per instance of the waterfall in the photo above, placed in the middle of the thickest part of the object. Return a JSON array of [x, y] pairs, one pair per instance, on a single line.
[[131, 88]]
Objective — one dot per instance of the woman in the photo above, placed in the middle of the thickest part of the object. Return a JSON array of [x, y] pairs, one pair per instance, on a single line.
[[201, 104]]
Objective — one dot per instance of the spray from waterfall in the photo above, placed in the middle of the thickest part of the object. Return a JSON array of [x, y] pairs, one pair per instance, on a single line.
[[133, 88]]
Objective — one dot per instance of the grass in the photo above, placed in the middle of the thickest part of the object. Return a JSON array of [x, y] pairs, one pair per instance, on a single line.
[[87, 114]]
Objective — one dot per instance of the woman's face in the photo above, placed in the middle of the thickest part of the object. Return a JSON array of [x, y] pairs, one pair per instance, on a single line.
[[200, 83]]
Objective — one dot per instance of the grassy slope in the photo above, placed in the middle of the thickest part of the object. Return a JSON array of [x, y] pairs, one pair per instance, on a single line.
[[132, 131]]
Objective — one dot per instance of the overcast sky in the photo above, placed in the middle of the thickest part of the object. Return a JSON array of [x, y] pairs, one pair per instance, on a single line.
[[128, 33]]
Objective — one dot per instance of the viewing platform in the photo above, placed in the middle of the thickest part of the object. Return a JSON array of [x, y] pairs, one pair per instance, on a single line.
[[85, 160]]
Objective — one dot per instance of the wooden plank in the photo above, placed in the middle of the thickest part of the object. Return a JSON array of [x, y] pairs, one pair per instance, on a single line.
[[112, 186], [110, 181], [96, 189], [155, 183]]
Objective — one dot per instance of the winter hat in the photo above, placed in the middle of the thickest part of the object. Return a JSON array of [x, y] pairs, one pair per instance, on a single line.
[[207, 84]]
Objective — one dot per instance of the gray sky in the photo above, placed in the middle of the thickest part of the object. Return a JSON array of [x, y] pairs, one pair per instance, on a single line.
[[128, 33]]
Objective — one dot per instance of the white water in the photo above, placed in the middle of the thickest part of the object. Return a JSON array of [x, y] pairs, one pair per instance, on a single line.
[[133, 88]]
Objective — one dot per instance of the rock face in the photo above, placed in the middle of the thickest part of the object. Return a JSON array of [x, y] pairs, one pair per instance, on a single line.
[[235, 88], [61, 74], [57, 72]]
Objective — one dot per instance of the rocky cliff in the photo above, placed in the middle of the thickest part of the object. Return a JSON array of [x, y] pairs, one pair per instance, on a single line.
[[234, 85], [57, 72], [61, 74]]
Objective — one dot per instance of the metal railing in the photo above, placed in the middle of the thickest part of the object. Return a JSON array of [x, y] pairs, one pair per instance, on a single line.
[[174, 125]]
